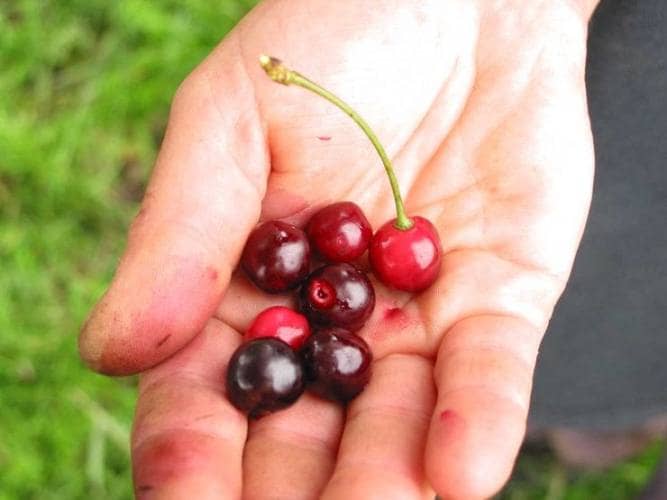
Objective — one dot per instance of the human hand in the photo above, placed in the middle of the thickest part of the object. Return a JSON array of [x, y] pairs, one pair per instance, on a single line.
[[482, 107]]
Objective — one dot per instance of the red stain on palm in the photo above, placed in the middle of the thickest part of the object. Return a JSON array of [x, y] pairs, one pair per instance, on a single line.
[[452, 425], [324, 137], [393, 313], [389, 321], [448, 415], [212, 273], [396, 318]]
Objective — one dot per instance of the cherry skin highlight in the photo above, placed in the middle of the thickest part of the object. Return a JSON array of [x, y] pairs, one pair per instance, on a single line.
[[263, 376], [276, 256], [406, 259], [340, 232], [282, 323], [337, 295], [337, 364]]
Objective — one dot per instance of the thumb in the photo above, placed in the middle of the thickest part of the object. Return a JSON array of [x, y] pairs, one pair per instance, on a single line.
[[203, 199]]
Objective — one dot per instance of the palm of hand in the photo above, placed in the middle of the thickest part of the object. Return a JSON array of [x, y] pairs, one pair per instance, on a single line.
[[483, 112]]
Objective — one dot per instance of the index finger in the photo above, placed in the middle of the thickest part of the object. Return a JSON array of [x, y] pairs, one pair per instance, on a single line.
[[203, 199]]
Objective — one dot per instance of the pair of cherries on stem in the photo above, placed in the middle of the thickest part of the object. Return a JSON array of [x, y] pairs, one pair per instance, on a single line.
[[404, 257], [405, 253]]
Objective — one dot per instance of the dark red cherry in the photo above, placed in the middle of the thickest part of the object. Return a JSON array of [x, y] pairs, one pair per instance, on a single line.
[[337, 363], [409, 259], [264, 375], [340, 232], [282, 323], [337, 295], [276, 256]]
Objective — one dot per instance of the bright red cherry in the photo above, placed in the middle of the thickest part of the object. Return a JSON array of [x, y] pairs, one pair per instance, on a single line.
[[337, 364], [282, 323], [407, 259], [276, 256], [337, 295], [340, 232]]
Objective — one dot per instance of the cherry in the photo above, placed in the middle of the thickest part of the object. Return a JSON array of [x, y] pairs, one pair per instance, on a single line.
[[264, 375], [276, 256], [408, 260], [337, 364], [395, 247], [337, 295], [282, 323], [340, 232]]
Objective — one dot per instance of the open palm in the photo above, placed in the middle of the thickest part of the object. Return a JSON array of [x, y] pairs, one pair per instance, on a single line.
[[482, 109]]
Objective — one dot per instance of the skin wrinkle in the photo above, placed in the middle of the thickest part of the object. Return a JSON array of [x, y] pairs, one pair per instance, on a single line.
[[514, 398], [424, 355], [527, 357], [418, 364], [520, 396], [183, 377], [151, 411], [526, 365], [224, 434], [406, 184], [257, 115], [464, 315], [431, 158], [292, 436], [390, 410], [186, 460], [438, 150], [383, 467]]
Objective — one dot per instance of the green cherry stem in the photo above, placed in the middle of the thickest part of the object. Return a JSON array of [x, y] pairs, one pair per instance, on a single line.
[[279, 73]]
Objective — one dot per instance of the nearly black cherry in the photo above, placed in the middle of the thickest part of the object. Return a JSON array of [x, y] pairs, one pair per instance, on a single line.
[[264, 375], [337, 364]]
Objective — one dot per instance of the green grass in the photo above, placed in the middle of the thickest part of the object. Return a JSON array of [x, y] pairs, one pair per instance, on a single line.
[[539, 476], [85, 87], [84, 93]]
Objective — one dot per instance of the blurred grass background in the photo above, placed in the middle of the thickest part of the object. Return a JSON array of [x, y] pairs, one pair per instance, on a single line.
[[85, 87]]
